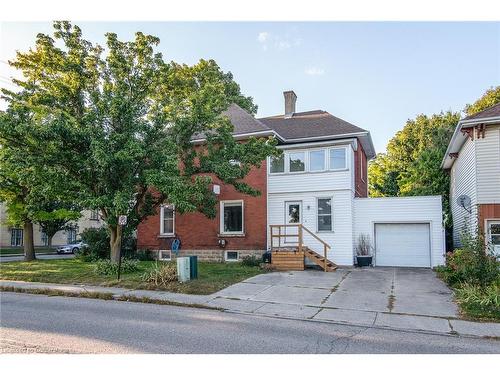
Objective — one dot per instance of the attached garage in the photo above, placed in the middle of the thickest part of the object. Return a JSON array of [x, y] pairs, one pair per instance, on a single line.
[[402, 244], [404, 231]]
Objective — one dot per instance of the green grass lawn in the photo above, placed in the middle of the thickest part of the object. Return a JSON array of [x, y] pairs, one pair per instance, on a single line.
[[6, 251], [211, 276]]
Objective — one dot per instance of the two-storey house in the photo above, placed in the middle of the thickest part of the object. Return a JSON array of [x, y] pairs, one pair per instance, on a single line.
[[318, 189], [473, 160]]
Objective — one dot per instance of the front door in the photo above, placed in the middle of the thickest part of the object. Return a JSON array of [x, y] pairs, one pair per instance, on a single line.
[[494, 236], [293, 215]]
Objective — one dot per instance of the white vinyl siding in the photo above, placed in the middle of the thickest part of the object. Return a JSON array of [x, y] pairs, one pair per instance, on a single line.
[[340, 238], [488, 165], [404, 210], [316, 180], [463, 182]]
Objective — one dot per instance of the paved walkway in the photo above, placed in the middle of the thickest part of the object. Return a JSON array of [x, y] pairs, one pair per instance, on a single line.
[[20, 258], [400, 299]]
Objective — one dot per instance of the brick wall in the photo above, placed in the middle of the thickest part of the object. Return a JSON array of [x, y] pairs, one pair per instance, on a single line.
[[361, 173], [198, 233]]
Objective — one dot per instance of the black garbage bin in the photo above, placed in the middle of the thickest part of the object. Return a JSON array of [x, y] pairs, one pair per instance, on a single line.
[[266, 257], [193, 267]]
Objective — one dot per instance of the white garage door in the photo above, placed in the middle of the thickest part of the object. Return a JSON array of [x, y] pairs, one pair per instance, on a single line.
[[404, 245]]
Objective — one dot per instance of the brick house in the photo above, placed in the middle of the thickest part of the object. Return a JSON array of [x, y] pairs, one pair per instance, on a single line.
[[316, 190]]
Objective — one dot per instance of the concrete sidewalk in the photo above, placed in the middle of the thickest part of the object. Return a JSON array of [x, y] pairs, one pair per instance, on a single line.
[[309, 310]]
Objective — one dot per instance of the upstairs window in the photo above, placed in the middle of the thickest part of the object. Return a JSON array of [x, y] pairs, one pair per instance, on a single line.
[[317, 161], [167, 220], [337, 158], [277, 164], [297, 162]]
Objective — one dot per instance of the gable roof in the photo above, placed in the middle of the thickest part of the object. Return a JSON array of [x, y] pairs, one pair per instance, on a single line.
[[493, 111], [315, 125], [490, 115], [243, 122]]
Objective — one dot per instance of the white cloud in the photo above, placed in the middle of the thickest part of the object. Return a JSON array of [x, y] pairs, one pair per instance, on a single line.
[[278, 42], [314, 71], [263, 37]]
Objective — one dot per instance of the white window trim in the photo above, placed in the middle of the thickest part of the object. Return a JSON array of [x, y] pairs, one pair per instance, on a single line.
[[346, 159], [221, 218], [489, 223], [325, 152], [232, 251], [165, 259], [162, 233], [18, 230], [317, 215], [306, 162], [284, 165]]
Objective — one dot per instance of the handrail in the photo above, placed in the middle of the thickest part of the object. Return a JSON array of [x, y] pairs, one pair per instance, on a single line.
[[300, 238], [279, 226]]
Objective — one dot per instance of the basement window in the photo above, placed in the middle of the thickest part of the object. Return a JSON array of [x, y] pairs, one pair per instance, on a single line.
[[231, 256], [164, 255]]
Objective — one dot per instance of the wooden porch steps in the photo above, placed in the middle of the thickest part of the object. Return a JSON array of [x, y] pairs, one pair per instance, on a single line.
[[319, 260]]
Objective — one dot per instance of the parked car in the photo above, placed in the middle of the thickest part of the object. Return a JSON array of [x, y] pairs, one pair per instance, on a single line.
[[71, 248]]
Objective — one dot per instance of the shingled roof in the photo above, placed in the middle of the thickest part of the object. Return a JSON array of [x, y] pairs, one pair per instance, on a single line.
[[493, 111], [243, 122], [310, 124]]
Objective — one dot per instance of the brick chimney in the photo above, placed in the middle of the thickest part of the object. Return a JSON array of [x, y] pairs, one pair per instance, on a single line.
[[290, 99]]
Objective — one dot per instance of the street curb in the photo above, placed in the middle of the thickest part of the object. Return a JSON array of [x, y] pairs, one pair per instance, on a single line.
[[126, 296]]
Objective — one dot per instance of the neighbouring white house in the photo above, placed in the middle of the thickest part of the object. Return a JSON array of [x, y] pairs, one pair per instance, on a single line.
[[321, 182], [473, 160], [11, 236]]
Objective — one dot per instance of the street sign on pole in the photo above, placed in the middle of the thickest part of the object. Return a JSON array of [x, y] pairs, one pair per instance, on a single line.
[[122, 220]]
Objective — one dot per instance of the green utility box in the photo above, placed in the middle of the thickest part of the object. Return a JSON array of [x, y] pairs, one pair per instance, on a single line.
[[193, 267]]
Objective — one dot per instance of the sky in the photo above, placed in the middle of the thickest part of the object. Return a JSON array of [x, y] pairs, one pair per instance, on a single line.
[[375, 75]]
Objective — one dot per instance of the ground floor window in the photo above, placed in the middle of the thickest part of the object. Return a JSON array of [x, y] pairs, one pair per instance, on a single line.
[[44, 238], [324, 214], [71, 235], [494, 235], [16, 237], [167, 220], [231, 217]]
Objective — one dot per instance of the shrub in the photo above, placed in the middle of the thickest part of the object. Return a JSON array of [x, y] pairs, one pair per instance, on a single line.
[[106, 267], [161, 274], [251, 261], [97, 240], [144, 255], [480, 302], [472, 264]]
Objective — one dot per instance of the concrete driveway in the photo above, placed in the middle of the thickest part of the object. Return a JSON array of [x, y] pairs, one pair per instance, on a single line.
[[361, 292]]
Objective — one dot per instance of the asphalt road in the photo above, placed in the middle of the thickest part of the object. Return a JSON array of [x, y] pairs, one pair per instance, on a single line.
[[20, 258], [38, 323]]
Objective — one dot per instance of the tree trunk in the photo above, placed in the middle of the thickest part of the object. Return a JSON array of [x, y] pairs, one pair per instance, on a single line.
[[29, 246], [115, 242], [49, 241]]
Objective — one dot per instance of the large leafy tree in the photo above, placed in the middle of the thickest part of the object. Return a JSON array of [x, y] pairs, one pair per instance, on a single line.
[[119, 123], [412, 163]]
